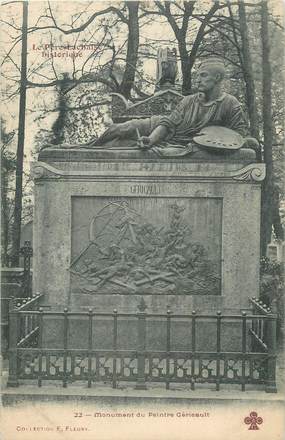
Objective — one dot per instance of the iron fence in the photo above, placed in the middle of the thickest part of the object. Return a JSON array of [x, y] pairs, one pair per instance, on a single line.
[[7, 305], [253, 363], [264, 334]]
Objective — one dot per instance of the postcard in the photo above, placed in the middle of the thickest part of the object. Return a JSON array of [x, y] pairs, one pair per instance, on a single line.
[[142, 278]]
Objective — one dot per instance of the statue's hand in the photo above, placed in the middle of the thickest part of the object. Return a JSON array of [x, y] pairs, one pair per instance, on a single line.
[[251, 142], [116, 131], [144, 143]]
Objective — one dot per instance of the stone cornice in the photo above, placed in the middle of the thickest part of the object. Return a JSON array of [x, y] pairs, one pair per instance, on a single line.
[[254, 172]]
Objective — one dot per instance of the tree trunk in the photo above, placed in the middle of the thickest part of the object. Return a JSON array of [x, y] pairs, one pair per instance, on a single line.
[[267, 187], [185, 68], [21, 139], [60, 123], [188, 60], [4, 217], [276, 220], [132, 49], [248, 72]]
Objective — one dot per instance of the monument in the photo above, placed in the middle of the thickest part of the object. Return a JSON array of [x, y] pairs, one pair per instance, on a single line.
[[164, 206]]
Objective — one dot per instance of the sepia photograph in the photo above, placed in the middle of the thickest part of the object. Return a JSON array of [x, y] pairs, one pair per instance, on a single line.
[[142, 220]]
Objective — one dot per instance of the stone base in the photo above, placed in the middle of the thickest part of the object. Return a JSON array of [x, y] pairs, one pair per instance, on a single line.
[[216, 200], [51, 155]]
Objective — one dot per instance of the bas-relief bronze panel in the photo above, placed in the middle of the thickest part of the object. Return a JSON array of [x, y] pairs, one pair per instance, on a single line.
[[146, 245]]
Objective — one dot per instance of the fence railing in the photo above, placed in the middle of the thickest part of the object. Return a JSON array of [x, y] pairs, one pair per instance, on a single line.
[[113, 359], [263, 332], [7, 305], [23, 330]]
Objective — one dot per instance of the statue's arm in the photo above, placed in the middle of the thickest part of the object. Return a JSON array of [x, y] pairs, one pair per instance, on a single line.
[[237, 122], [167, 126], [156, 136], [164, 127], [236, 119]]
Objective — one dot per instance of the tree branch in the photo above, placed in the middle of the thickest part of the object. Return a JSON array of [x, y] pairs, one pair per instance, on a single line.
[[84, 25], [189, 7], [167, 13]]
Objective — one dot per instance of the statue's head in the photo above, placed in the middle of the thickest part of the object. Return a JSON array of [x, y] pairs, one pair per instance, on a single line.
[[211, 73]]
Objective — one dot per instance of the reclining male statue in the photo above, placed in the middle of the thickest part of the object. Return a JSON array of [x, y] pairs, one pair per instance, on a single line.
[[173, 135]]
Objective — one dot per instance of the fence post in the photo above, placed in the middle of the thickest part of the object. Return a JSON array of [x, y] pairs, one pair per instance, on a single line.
[[13, 340], [193, 345], [219, 318], [141, 385], [168, 347], [271, 329], [253, 344], [40, 344], [115, 346], [65, 337], [243, 342], [90, 345]]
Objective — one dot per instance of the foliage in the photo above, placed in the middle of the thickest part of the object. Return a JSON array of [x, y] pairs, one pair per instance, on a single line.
[[8, 168], [8, 165], [272, 286]]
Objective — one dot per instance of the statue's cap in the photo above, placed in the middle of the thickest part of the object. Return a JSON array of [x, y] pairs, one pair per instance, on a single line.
[[212, 61]]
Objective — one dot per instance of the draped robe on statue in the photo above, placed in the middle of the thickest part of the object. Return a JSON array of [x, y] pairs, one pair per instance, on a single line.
[[190, 116]]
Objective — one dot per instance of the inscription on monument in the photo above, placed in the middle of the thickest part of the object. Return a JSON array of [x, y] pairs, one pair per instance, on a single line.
[[145, 189], [146, 245]]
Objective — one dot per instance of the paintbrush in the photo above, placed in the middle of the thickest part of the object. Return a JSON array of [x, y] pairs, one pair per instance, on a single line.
[[140, 141]]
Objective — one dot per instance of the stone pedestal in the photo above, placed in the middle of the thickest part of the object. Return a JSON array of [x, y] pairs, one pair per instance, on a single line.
[[104, 221]]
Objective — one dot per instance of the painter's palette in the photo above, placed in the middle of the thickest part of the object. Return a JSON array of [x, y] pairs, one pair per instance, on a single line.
[[219, 138]]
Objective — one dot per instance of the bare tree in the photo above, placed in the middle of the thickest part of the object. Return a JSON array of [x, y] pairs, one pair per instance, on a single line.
[[132, 49], [8, 164], [180, 23], [103, 74], [267, 189], [98, 75], [246, 64], [21, 141]]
